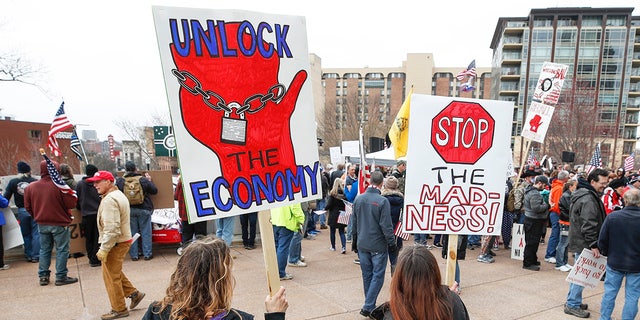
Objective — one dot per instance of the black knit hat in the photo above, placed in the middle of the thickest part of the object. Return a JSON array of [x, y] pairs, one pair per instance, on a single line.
[[130, 166], [90, 170], [23, 167], [617, 183]]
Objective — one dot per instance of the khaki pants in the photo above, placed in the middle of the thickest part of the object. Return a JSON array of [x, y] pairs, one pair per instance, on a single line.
[[117, 285]]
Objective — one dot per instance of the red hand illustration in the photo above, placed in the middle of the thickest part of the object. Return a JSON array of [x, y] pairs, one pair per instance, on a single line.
[[535, 123], [267, 147]]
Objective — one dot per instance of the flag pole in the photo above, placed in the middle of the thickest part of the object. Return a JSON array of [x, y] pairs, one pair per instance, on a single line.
[[86, 161], [522, 160]]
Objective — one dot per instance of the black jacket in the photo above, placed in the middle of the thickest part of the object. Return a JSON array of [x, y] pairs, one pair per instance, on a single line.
[[587, 215], [565, 205], [153, 313], [88, 198]]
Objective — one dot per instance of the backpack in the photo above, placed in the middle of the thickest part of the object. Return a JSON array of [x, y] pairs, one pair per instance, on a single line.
[[133, 190], [511, 200]]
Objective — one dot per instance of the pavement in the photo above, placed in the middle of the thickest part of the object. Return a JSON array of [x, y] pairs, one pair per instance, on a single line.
[[329, 288]]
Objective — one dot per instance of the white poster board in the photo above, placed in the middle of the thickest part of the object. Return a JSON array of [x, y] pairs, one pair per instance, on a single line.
[[456, 164], [588, 270], [11, 234], [240, 100], [336, 156], [351, 148], [537, 123], [550, 83], [517, 241]]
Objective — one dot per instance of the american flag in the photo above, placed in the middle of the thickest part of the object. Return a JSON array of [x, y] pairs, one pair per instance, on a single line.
[[346, 214], [596, 160], [629, 161], [55, 177], [469, 71], [75, 145], [60, 123], [532, 160], [400, 233], [364, 174]]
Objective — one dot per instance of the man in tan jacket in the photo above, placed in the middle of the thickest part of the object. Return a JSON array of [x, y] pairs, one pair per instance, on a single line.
[[115, 240]]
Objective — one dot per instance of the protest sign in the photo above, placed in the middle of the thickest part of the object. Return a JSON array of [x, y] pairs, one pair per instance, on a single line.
[[456, 163], [336, 156], [550, 83], [587, 270], [241, 105], [537, 123], [517, 241], [11, 234]]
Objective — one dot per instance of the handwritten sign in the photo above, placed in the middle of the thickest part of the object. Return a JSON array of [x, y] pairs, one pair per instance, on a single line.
[[537, 123], [241, 103], [456, 162], [550, 83], [588, 270], [517, 242]]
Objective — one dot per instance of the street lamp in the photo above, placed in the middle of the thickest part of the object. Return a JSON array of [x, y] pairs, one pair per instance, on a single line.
[[148, 161]]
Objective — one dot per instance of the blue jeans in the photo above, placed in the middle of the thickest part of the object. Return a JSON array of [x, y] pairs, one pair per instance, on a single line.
[[332, 236], [349, 229], [562, 253], [282, 238], [420, 238], [554, 236], [574, 297], [474, 240], [436, 239], [612, 284], [322, 218], [30, 234], [224, 229], [373, 266], [60, 236], [140, 222], [295, 248]]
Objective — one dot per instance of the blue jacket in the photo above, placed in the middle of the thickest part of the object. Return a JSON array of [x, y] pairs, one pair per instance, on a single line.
[[619, 239], [372, 220]]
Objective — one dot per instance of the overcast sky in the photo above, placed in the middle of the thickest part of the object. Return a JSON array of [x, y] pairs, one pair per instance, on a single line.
[[102, 57]]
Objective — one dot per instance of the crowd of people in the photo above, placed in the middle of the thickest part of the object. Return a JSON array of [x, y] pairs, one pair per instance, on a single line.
[[597, 211]]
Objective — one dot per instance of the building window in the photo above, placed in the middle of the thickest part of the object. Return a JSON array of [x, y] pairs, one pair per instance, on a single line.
[[616, 21], [592, 21], [35, 134]]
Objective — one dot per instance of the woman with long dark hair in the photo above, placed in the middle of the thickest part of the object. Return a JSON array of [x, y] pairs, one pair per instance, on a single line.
[[417, 291]]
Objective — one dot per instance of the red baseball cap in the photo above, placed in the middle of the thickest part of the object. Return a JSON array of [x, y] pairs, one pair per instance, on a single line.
[[101, 175]]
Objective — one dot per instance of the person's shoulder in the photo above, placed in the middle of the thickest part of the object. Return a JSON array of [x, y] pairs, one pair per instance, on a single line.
[[235, 314]]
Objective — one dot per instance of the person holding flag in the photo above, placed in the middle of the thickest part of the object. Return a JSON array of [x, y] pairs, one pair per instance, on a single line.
[[49, 200]]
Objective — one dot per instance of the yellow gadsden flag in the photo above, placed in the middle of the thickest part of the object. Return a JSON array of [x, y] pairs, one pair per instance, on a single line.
[[399, 132]]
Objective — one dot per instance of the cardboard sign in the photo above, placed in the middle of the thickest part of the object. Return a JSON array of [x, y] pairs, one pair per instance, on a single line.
[[537, 123], [241, 103], [517, 242], [162, 179], [456, 164], [351, 148], [588, 270]]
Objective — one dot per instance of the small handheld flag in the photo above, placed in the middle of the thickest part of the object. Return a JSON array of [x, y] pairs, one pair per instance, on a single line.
[[55, 176], [60, 123]]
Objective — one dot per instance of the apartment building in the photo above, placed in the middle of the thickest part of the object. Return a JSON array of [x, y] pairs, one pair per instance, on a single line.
[[600, 101]]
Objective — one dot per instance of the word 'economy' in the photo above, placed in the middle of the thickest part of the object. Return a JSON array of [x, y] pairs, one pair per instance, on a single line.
[[244, 192]]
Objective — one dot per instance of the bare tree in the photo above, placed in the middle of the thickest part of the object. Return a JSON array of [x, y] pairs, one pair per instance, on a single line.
[[575, 125], [103, 162], [9, 156]]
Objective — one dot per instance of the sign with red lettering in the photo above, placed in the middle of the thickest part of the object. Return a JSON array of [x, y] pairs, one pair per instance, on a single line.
[[241, 105], [456, 162], [537, 123], [463, 126], [587, 270]]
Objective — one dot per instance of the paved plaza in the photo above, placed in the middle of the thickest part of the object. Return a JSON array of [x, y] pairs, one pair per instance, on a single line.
[[329, 288]]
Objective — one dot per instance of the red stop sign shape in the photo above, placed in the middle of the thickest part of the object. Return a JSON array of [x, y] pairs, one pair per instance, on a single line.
[[462, 132]]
